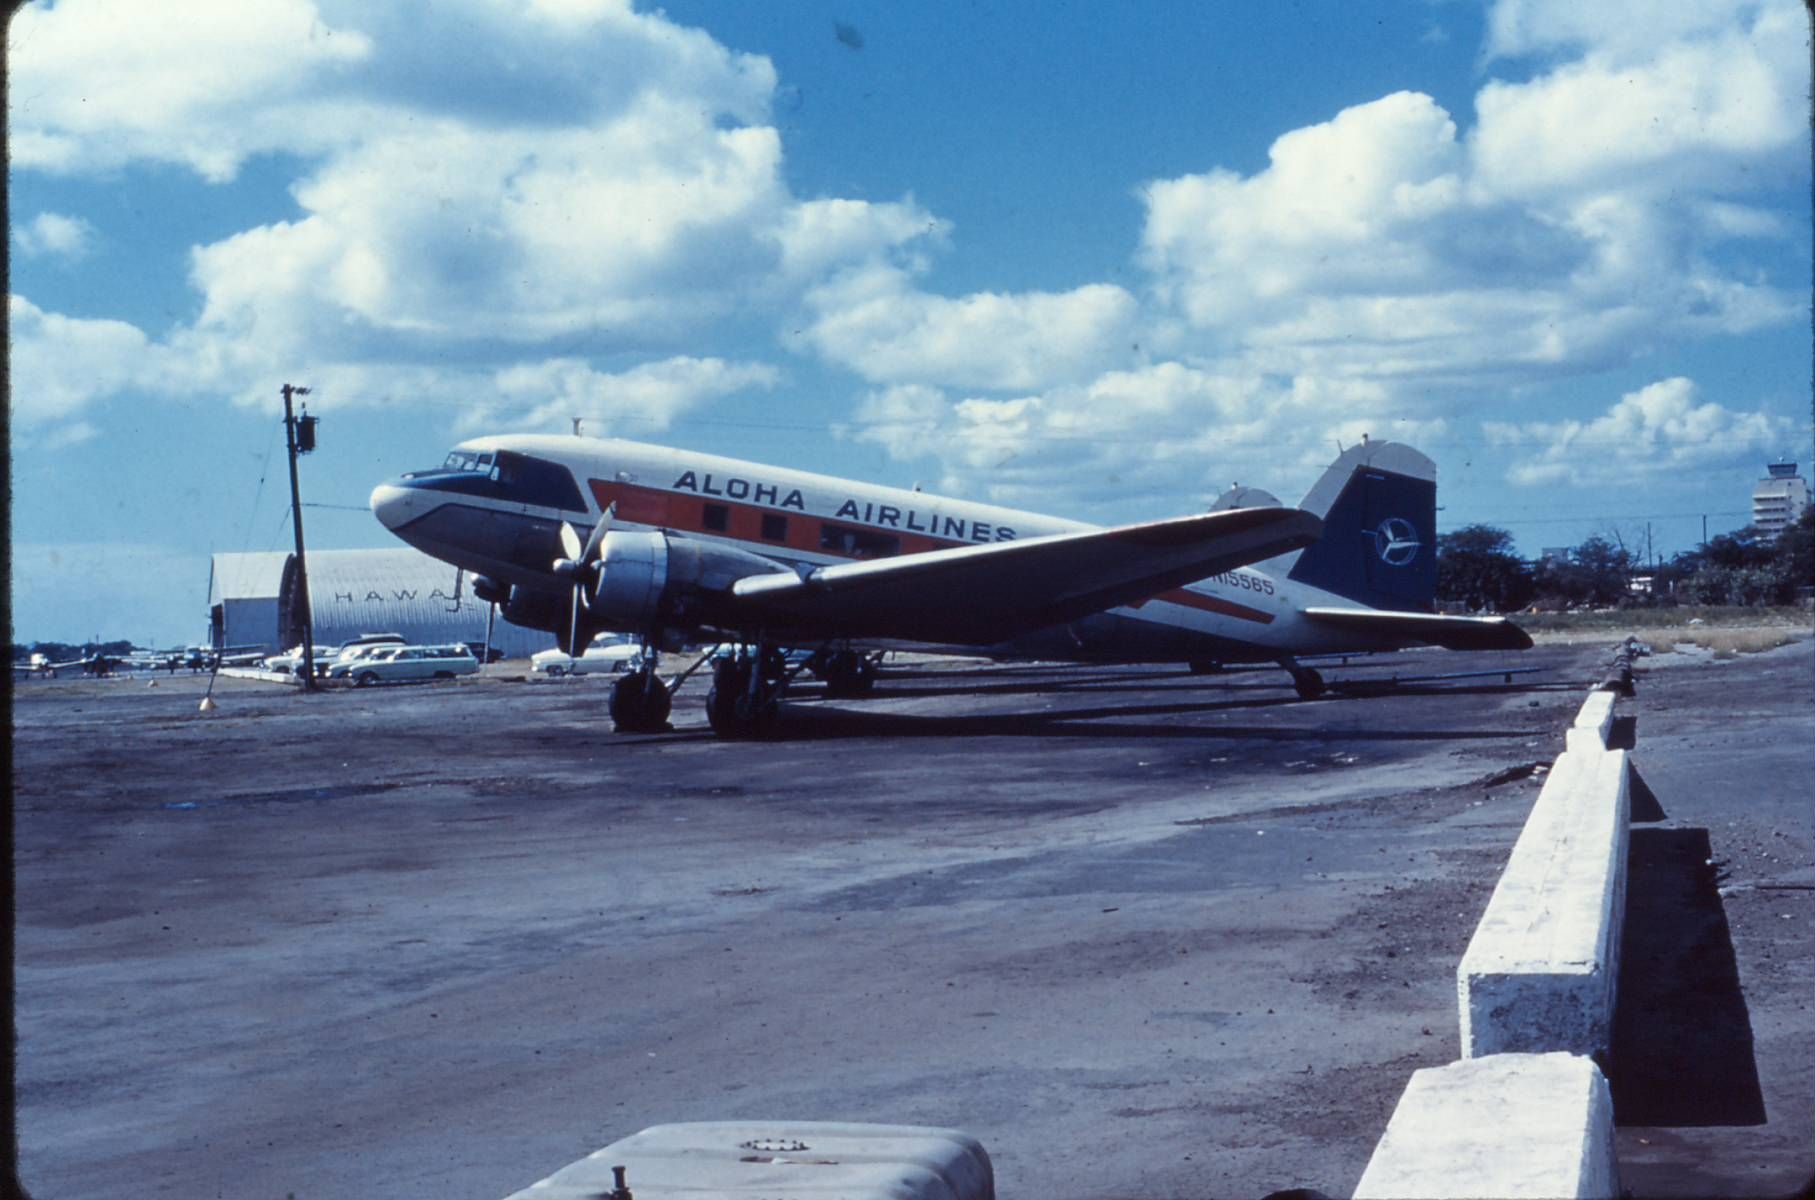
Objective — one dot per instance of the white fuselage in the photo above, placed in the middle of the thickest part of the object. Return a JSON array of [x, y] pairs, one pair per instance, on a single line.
[[798, 518]]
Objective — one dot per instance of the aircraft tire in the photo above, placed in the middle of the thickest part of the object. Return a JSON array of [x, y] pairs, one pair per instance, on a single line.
[[1309, 685], [640, 704], [729, 708]]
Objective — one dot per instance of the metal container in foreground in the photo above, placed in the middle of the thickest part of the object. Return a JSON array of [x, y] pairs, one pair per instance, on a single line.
[[780, 1160]]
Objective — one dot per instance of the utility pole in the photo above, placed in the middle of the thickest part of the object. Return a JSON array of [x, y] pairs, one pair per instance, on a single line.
[[299, 437]]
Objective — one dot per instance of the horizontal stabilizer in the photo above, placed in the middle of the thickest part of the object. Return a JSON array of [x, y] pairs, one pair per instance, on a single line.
[[987, 593], [1452, 633]]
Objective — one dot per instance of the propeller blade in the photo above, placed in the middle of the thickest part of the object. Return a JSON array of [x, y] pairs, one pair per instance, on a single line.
[[573, 625], [570, 542], [597, 537]]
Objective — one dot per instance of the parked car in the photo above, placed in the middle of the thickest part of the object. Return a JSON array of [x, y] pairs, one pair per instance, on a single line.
[[399, 664], [609, 653], [327, 656], [494, 654]]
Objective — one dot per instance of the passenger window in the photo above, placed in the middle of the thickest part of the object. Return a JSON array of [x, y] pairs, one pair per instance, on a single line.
[[716, 517], [775, 527], [853, 542]]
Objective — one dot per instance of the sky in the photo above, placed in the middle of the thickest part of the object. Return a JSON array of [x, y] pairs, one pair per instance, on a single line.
[[1097, 259]]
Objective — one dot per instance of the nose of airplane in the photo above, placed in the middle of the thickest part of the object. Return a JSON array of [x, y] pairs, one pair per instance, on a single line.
[[394, 506]]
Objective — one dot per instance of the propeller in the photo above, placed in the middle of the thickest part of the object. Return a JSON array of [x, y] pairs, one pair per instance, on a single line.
[[580, 565]]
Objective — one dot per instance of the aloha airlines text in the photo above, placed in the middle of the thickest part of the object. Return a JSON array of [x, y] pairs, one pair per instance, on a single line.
[[870, 513]]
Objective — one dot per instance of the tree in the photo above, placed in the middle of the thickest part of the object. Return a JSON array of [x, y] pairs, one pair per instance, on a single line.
[[1594, 573], [1476, 567]]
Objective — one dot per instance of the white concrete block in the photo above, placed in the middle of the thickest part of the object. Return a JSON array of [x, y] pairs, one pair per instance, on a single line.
[[781, 1160], [1540, 972], [1596, 715], [1510, 1125]]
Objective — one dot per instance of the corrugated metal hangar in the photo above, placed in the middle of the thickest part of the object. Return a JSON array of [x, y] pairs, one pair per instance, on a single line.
[[252, 601]]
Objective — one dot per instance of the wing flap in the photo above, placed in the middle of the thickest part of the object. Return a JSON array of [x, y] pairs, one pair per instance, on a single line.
[[1452, 633], [982, 594]]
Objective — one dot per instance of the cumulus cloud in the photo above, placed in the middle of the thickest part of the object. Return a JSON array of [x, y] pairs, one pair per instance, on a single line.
[[1677, 118], [1655, 431], [590, 180], [645, 397], [61, 365], [54, 235], [1166, 434], [91, 84], [1624, 29], [878, 325]]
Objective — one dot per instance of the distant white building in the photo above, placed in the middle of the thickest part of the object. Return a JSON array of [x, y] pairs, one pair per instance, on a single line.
[[253, 601], [1779, 499]]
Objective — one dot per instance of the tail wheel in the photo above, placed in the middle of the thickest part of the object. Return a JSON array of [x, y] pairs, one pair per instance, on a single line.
[[848, 673]]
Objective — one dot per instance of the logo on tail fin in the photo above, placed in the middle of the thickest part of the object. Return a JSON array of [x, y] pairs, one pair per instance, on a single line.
[[1396, 541]]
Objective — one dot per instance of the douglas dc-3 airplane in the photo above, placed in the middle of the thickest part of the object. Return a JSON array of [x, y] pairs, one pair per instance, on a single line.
[[695, 547]]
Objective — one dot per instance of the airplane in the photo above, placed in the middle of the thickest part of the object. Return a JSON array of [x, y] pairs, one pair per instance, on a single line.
[[97, 665], [694, 548]]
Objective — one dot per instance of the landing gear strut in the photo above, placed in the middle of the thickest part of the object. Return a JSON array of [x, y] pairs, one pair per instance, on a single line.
[[746, 693], [1308, 682], [640, 701]]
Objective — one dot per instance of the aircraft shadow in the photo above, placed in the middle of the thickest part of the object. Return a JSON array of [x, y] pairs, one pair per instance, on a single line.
[[1057, 687], [813, 722], [1682, 1050]]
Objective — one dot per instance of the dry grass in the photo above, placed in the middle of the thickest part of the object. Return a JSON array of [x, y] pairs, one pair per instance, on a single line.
[[1729, 643], [1725, 631]]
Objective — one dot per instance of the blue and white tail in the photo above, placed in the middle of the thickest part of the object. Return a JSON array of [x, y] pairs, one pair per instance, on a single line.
[[1378, 502]]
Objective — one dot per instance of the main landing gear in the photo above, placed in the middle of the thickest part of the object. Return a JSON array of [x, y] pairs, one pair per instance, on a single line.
[[746, 692], [1308, 682], [640, 701]]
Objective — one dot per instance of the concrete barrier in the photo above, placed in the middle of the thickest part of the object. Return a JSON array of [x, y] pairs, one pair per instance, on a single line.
[[1509, 1125], [1539, 974], [779, 1160], [1593, 724]]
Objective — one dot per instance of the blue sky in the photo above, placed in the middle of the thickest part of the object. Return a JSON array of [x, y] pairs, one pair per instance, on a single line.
[[1098, 259]]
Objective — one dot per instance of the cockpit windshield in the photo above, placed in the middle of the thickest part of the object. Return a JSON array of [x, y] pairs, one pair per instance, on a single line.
[[524, 479], [467, 460]]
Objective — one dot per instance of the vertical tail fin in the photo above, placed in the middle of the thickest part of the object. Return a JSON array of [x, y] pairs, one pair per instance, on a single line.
[[1378, 502]]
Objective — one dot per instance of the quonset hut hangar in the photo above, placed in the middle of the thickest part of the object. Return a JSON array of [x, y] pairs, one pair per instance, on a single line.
[[252, 601]]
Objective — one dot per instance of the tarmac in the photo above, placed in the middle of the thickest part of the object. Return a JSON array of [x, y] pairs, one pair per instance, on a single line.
[[1143, 933]]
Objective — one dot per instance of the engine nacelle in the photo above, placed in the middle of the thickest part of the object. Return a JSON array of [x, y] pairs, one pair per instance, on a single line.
[[650, 579]]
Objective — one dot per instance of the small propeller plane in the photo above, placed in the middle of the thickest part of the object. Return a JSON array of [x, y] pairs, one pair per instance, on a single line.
[[687, 547]]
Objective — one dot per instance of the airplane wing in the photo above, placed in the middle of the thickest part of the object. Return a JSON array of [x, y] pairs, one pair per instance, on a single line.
[[986, 593], [1452, 633]]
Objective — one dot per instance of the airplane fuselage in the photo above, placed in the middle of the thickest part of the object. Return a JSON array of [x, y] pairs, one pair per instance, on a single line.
[[496, 506]]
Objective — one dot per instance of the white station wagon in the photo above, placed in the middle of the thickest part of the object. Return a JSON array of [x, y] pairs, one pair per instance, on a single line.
[[397, 664], [609, 654]]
